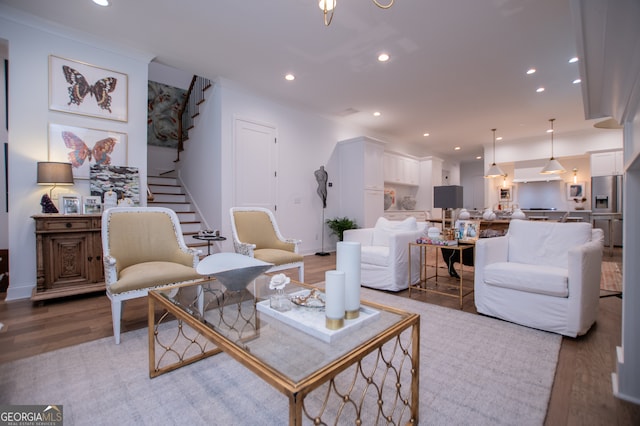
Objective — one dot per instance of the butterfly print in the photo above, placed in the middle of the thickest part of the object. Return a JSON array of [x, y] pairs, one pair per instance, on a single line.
[[79, 88], [80, 151]]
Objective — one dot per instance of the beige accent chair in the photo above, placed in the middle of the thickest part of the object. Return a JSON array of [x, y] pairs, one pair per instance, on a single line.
[[143, 249], [256, 234]]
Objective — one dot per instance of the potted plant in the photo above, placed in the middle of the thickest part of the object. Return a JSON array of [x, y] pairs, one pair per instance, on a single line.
[[340, 224]]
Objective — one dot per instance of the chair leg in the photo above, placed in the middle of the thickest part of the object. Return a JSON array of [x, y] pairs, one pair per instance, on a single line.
[[116, 317], [301, 273]]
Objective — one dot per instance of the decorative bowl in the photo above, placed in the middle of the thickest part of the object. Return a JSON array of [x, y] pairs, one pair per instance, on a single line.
[[234, 271]]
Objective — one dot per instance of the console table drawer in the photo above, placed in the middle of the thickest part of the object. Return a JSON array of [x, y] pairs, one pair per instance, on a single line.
[[67, 223]]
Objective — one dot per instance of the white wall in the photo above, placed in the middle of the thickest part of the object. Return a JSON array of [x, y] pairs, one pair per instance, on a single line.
[[29, 50], [4, 137], [306, 141]]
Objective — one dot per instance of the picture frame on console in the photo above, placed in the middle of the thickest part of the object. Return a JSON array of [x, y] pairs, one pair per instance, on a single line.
[[70, 204], [91, 204], [469, 229]]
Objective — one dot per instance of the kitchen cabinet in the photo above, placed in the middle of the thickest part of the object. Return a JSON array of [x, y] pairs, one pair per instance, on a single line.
[[68, 254], [361, 180], [401, 170], [607, 163], [421, 216]]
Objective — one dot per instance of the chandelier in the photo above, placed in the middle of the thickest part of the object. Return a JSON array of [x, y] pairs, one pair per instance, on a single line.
[[327, 7]]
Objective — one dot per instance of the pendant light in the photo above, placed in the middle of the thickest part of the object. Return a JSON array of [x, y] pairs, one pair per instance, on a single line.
[[553, 166], [494, 170]]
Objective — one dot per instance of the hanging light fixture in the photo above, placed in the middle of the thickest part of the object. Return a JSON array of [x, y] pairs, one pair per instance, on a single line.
[[327, 7], [553, 166], [494, 170]]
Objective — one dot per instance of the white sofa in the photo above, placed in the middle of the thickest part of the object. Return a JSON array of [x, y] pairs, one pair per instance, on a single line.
[[544, 275], [384, 263]]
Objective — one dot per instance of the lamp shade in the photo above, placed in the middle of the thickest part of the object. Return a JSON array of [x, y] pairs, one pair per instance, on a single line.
[[552, 167], [447, 197], [53, 173], [494, 171]]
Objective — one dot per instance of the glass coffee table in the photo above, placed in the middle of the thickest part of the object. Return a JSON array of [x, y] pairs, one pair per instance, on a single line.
[[366, 375]]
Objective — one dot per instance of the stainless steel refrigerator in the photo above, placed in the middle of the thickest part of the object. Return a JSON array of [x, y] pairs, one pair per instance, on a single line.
[[606, 197]]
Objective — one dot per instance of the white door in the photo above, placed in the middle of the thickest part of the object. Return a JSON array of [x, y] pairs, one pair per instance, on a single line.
[[255, 165]]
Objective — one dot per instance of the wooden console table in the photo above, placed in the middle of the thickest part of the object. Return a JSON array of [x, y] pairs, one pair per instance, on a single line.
[[69, 255]]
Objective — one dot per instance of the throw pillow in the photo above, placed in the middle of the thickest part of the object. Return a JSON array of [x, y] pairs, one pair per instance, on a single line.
[[384, 228]]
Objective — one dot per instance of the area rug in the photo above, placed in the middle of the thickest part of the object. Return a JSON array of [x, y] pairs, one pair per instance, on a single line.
[[474, 370]]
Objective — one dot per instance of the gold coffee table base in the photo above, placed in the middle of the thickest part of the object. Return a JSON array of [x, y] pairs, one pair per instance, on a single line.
[[373, 382]]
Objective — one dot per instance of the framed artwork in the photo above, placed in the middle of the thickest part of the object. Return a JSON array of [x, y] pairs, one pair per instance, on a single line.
[[163, 106], [468, 229], [91, 204], [84, 147], [114, 183], [70, 204], [81, 88], [504, 193], [576, 191]]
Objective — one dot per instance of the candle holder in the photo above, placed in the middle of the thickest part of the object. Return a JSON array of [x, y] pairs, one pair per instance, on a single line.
[[334, 299], [348, 256]]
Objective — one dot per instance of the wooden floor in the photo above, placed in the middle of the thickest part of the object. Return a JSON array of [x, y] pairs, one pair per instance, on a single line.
[[581, 394]]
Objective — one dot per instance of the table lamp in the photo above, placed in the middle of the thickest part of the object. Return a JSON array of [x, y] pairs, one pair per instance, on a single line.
[[447, 197], [53, 173]]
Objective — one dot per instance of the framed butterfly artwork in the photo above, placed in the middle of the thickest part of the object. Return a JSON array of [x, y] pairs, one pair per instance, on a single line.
[[81, 88], [86, 147]]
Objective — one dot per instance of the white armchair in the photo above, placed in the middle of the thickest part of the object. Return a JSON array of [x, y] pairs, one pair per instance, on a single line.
[[544, 275], [384, 263]]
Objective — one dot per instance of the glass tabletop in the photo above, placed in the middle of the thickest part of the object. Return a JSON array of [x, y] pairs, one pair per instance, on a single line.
[[294, 353]]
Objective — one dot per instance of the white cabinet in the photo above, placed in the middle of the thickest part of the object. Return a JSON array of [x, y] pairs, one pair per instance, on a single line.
[[401, 170], [607, 163], [361, 180]]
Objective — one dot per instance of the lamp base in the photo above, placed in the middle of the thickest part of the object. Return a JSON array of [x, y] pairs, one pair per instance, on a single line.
[[47, 205]]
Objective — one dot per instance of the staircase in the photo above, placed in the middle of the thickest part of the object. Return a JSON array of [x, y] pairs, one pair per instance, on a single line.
[[167, 192]]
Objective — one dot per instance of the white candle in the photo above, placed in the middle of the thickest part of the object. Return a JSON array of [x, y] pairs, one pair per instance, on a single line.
[[348, 261], [334, 299]]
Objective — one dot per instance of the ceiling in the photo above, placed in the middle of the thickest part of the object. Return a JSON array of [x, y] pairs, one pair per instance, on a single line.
[[457, 67]]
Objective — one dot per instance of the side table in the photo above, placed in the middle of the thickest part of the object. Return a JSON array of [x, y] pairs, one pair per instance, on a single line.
[[422, 285], [209, 239]]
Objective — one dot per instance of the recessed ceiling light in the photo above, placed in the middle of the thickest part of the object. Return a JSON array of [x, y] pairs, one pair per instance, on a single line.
[[425, 134], [101, 2], [549, 130], [573, 60], [290, 77], [383, 57], [479, 157], [577, 81], [540, 89], [531, 71], [457, 148], [499, 138], [377, 114]]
